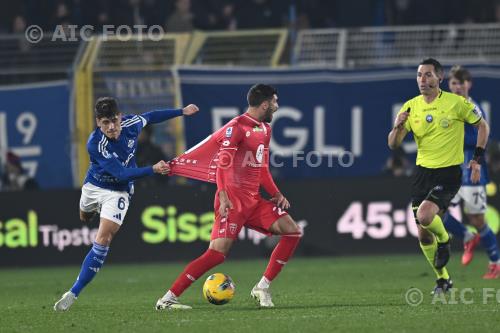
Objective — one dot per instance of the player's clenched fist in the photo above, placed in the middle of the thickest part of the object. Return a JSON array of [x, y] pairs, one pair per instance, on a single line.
[[401, 119], [190, 110], [161, 167]]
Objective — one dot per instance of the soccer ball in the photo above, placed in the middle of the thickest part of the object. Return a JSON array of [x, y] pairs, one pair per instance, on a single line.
[[218, 289]]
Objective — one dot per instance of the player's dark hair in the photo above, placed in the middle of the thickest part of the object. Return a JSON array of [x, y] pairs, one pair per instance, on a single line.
[[438, 68], [260, 93], [459, 73], [106, 107]]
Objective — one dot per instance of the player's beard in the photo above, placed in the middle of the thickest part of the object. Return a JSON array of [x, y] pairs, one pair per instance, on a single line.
[[269, 114]]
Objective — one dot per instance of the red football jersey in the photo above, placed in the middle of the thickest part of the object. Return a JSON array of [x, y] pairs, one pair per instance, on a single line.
[[236, 157]]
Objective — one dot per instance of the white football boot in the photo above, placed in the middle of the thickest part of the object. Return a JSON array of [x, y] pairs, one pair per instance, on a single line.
[[263, 296], [171, 303], [65, 302]]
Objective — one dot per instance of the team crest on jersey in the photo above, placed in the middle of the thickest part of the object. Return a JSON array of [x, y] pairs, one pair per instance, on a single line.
[[429, 118], [225, 143], [229, 132], [248, 134], [232, 227], [130, 143]]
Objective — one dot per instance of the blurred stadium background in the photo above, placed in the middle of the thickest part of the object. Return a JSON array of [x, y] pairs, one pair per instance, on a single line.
[[342, 68]]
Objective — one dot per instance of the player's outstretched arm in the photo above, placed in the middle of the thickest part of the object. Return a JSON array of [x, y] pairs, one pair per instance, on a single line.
[[115, 168], [162, 168], [158, 116]]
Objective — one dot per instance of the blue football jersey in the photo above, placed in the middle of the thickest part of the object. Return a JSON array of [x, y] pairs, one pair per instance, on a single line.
[[112, 162], [470, 140]]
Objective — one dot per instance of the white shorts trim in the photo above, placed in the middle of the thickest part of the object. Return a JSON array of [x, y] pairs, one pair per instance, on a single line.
[[112, 205]]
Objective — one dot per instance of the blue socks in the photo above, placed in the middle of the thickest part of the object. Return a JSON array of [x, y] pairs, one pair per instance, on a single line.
[[489, 242], [456, 228], [488, 238], [91, 265]]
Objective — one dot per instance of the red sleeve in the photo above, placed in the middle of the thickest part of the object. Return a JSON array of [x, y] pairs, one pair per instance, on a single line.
[[229, 139], [266, 179]]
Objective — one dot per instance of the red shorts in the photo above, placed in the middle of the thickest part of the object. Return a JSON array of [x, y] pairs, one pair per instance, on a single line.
[[252, 212]]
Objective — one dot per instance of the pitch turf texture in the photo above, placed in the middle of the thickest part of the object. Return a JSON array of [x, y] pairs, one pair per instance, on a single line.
[[348, 294]]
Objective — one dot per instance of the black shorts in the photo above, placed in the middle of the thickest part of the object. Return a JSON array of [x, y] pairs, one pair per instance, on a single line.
[[437, 185]]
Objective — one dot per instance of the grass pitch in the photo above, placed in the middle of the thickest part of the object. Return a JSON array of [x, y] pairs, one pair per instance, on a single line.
[[311, 295]]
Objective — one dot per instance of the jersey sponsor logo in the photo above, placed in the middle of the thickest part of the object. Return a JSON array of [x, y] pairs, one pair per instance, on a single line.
[[257, 129], [229, 132], [429, 118], [259, 153]]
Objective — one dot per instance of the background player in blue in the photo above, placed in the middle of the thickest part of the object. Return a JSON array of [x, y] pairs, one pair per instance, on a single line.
[[472, 195], [108, 185]]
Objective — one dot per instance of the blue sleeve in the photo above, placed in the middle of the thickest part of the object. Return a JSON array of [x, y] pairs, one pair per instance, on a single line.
[[157, 116], [112, 165]]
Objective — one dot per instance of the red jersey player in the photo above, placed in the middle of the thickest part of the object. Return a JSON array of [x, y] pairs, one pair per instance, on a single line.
[[236, 157]]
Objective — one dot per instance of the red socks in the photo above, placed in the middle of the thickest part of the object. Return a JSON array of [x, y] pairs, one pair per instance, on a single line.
[[281, 254], [195, 269], [211, 258]]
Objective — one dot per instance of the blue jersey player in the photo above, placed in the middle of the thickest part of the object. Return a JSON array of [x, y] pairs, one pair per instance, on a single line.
[[108, 185], [473, 195]]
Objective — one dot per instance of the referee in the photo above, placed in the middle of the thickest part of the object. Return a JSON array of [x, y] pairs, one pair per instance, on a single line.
[[437, 119]]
